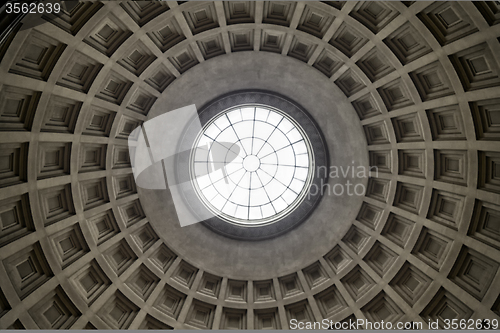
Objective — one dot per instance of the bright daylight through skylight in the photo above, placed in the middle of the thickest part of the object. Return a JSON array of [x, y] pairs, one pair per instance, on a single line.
[[269, 176]]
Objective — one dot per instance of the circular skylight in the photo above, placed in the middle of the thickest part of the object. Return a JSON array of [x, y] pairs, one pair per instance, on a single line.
[[251, 164]]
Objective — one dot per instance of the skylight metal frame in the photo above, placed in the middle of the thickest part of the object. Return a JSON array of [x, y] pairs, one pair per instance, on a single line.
[[207, 135]]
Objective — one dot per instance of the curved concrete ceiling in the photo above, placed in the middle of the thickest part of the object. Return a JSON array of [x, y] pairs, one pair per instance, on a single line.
[[410, 87]]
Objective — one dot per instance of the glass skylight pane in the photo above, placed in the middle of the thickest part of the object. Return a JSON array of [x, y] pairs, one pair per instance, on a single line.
[[218, 201], [244, 129], [245, 181], [201, 154], [218, 150], [233, 166], [263, 130], [270, 169], [246, 146], [234, 116], [265, 151], [227, 136], [222, 123], [255, 213], [257, 146], [209, 192], [241, 212], [261, 114], [204, 141], [203, 181], [255, 182], [247, 113], [215, 175], [265, 177], [296, 185], [294, 135], [229, 208], [285, 174], [301, 173], [270, 159], [286, 156], [236, 176], [200, 169], [223, 188], [302, 160], [238, 161], [275, 189], [289, 196], [212, 132], [285, 126], [278, 140], [268, 210], [258, 197], [274, 118], [280, 204], [299, 147], [240, 196]]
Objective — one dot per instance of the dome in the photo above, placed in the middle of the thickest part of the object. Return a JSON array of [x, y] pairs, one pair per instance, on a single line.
[[378, 199]]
